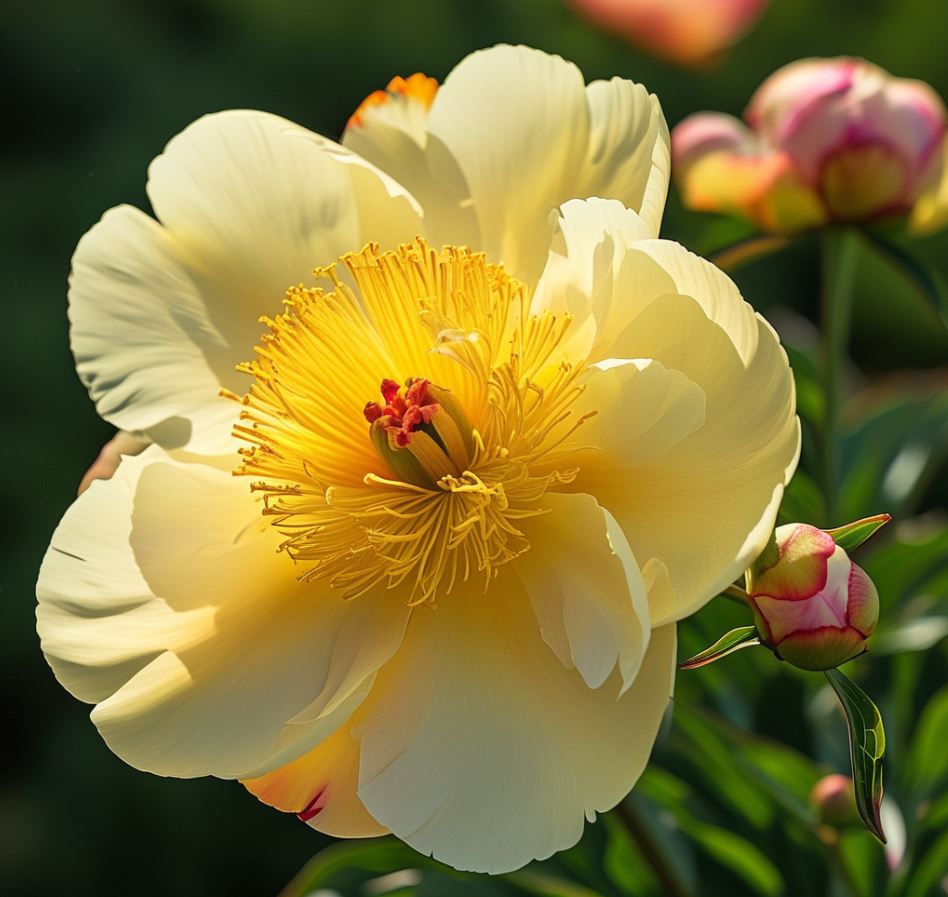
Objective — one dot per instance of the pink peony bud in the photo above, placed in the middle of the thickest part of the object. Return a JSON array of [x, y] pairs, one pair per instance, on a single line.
[[849, 142], [833, 799], [690, 32], [814, 607]]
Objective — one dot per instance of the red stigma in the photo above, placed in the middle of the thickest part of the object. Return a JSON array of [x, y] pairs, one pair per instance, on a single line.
[[407, 408]]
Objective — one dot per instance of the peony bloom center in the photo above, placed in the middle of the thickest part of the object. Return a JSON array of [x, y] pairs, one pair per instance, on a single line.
[[425, 484]]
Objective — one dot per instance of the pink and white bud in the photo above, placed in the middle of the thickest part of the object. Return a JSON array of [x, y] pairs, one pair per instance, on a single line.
[[861, 143], [814, 607], [690, 32], [834, 801]]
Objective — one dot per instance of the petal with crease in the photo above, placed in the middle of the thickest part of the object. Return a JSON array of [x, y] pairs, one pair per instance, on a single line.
[[482, 749], [144, 345], [321, 787], [156, 580], [591, 608], [255, 202]]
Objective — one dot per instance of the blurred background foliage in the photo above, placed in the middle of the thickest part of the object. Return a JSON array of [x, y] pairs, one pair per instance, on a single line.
[[92, 91]]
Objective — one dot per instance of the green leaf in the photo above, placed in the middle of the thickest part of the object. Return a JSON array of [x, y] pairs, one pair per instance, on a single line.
[[866, 748], [540, 884], [742, 637], [928, 758], [347, 867], [925, 280], [738, 855], [929, 870], [852, 535]]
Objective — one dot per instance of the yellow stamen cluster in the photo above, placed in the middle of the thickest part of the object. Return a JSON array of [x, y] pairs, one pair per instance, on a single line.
[[463, 324]]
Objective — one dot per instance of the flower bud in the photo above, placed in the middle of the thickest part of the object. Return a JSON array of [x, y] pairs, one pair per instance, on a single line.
[[689, 32], [812, 605], [825, 140], [834, 801]]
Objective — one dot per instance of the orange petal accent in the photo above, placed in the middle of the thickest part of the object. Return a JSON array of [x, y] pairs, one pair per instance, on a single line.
[[418, 87], [320, 787]]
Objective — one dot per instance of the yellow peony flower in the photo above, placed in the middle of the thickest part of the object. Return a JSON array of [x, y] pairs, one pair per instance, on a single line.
[[489, 454]]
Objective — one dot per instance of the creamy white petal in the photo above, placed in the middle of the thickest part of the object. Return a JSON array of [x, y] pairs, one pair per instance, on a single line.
[[703, 507], [586, 589], [526, 135], [628, 157], [591, 241], [643, 411], [255, 202], [481, 748], [163, 598], [517, 123], [144, 345]]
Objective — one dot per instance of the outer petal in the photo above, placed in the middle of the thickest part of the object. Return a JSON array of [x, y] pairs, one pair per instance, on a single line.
[[511, 135], [144, 345], [163, 599], [698, 514], [592, 608], [480, 748], [255, 202], [250, 203], [930, 212], [517, 123], [628, 156], [321, 787]]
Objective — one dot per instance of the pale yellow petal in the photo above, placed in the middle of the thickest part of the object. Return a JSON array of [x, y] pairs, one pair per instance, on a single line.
[[163, 598], [481, 748], [145, 347], [628, 157], [586, 589], [254, 202], [706, 505], [516, 122]]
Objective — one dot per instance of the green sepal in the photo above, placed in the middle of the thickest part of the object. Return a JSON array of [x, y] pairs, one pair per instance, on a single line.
[[742, 637], [852, 535]]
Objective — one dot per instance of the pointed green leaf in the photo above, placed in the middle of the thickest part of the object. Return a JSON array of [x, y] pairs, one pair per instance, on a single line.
[[742, 637], [915, 270], [852, 535], [866, 748]]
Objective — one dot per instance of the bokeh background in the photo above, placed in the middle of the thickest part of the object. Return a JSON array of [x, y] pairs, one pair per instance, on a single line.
[[92, 92]]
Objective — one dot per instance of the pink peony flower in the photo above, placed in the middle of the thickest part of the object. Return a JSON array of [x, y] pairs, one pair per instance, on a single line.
[[691, 32], [825, 140], [814, 607]]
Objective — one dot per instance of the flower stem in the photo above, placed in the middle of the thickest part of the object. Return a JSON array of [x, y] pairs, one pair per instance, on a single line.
[[664, 871], [839, 251]]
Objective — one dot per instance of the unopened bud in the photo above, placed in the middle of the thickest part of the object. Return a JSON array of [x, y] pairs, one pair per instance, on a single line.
[[812, 605]]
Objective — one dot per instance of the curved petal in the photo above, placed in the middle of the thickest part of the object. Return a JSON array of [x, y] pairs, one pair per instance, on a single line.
[[144, 346], [628, 155], [482, 749], [589, 242], [163, 599], [592, 610], [705, 507], [514, 132], [930, 212], [320, 787], [255, 202]]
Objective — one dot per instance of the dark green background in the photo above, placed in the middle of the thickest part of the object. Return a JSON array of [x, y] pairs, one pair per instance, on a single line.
[[91, 93]]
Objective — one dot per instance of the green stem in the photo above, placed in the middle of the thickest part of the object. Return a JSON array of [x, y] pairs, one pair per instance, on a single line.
[[838, 278], [735, 594], [664, 871]]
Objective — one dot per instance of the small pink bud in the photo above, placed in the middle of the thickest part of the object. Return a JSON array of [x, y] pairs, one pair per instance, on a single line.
[[812, 605], [833, 798]]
